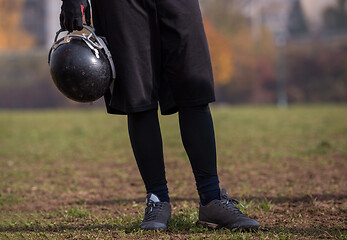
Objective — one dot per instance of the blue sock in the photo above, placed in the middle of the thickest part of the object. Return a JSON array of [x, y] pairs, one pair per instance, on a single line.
[[161, 191], [208, 190]]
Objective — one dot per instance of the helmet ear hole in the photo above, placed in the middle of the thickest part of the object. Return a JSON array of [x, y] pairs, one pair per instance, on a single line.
[[80, 68]]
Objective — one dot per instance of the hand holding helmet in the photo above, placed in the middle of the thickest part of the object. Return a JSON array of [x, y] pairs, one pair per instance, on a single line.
[[72, 13]]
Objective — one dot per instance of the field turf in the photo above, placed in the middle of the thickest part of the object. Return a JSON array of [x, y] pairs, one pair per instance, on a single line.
[[70, 174]]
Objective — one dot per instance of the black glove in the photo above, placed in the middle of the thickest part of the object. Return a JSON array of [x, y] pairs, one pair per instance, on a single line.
[[72, 13]]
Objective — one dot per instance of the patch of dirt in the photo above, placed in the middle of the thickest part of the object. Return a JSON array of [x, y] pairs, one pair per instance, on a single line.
[[303, 198]]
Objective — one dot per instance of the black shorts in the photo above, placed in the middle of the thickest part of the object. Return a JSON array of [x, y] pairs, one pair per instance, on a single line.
[[160, 52]]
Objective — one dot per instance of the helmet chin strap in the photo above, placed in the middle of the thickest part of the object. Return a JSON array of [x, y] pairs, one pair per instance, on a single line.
[[110, 60]]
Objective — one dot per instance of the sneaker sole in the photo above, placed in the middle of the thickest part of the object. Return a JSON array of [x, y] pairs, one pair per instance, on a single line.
[[216, 226], [208, 225], [155, 229]]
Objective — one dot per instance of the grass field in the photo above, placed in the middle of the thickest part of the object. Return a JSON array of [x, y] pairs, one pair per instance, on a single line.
[[71, 174]]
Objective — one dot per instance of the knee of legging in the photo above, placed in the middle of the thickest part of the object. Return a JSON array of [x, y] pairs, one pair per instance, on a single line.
[[200, 108], [137, 115]]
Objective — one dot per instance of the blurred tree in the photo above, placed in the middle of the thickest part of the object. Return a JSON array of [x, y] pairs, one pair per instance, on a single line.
[[317, 72], [233, 26], [221, 54], [297, 24], [265, 54], [12, 37], [253, 78], [225, 16], [335, 18]]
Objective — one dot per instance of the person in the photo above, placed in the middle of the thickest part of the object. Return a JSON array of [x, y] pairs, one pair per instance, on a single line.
[[162, 58]]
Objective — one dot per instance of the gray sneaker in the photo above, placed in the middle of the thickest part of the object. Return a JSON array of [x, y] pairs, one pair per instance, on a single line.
[[157, 214], [223, 213]]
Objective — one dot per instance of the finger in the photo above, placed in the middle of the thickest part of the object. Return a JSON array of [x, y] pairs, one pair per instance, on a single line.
[[78, 24], [87, 14], [69, 24], [62, 21]]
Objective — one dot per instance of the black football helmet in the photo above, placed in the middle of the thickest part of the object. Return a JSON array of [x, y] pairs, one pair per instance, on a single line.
[[81, 66]]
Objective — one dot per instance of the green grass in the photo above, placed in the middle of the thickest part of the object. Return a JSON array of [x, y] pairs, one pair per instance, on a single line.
[[71, 174]]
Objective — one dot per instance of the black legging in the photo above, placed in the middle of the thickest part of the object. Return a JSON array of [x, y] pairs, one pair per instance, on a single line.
[[198, 139], [197, 136]]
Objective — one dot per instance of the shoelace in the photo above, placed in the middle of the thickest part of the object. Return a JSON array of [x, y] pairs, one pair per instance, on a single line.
[[229, 202], [152, 210]]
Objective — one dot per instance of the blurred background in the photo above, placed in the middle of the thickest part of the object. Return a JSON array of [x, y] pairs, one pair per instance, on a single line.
[[263, 51]]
